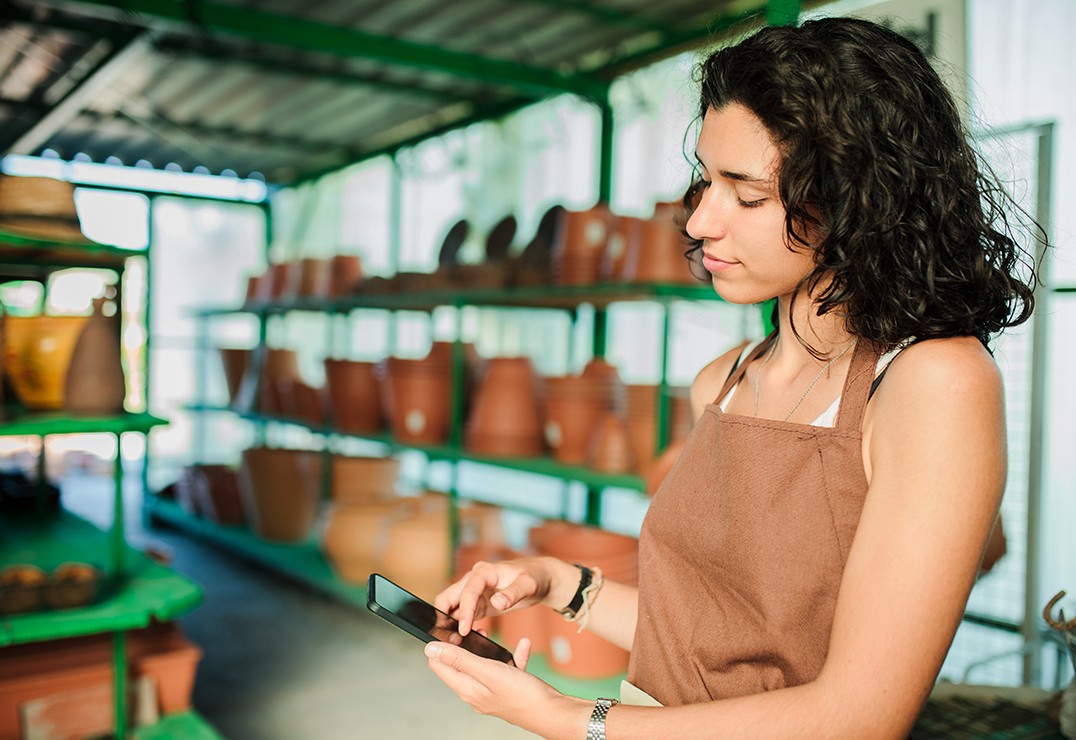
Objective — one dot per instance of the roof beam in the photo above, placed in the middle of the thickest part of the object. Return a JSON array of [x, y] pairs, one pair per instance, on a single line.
[[295, 68], [104, 73], [307, 35], [606, 14]]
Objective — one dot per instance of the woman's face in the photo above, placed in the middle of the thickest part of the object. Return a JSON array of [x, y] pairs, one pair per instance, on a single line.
[[740, 219]]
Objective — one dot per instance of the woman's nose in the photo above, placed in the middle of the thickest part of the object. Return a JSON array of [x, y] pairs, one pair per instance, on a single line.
[[705, 223]]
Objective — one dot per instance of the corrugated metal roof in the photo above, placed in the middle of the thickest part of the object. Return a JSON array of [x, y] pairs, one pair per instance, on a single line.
[[290, 88]]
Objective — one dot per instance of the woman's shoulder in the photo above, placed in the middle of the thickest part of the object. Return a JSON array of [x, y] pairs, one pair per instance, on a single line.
[[712, 377], [938, 374]]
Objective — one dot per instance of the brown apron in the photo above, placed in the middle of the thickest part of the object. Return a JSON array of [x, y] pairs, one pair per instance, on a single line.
[[743, 548]]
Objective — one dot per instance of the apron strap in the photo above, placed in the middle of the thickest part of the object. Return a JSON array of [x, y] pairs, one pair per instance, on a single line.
[[740, 366], [857, 386]]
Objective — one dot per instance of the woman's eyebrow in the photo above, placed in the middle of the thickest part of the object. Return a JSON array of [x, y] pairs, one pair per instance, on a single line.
[[741, 177]]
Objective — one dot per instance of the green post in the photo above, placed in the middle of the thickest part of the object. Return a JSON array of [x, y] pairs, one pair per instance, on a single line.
[[395, 216], [662, 430], [782, 12], [598, 338], [605, 152], [119, 667], [144, 474], [118, 527]]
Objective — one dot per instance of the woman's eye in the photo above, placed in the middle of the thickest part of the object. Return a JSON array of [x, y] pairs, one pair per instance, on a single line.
[[750, 203]]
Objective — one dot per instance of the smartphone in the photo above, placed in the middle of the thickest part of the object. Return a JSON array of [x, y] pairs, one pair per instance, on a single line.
[[425, 621]]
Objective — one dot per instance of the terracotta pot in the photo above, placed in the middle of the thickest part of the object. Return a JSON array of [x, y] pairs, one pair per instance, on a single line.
[[353, 538], [417, 553], [354, 396], [610, 447], [582, 654], [280, 491], [569, 426], [578, 254], [315, 276], [235, 363], [419, 398], [659, 255], [658, 469], [345, 275], [163, 653], [37, 353], [532, 623], [217, 494], [624, 235], [642, 418], [364, 480], [280, 367], [616, 554], [94, 384], [506, 419]]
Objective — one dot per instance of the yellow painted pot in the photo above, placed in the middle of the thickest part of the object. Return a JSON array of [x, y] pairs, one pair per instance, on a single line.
[[37, 353]]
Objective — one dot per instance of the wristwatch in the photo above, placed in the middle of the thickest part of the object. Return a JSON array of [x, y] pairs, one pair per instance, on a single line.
[[585, 578], [596, 726]]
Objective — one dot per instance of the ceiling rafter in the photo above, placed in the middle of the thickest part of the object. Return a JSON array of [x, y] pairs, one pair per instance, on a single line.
[[293, 67], [103, 73], [288, 31]]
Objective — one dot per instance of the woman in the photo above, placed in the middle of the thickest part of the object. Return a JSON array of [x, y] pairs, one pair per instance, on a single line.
[[806, 563]]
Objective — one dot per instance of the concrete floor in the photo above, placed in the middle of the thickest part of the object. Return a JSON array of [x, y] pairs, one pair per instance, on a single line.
[[282, 663]]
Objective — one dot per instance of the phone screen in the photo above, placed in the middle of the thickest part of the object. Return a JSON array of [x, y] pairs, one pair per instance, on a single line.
[[425, 621]]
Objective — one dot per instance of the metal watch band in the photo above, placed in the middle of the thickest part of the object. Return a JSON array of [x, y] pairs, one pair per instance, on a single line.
[[586, 575], [596, 726]]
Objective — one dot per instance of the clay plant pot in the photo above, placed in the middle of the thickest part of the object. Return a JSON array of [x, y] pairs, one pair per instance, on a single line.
[[624, 235], [659, 254], [354, 392], [161, 651], [217, 494], [610, 446], [573, 407], [642, 418], [419, 396], [418, 554], [616, 554], [37, 354], [506, 420], [353, 537], [582, 654], [235, 363], [578, 255], [280, 367], [314, 277], [658, 469], [345, 275], [280, 492], [94, 384], [360, 481]]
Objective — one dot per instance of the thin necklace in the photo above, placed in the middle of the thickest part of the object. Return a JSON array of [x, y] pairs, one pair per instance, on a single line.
[[769, 356]]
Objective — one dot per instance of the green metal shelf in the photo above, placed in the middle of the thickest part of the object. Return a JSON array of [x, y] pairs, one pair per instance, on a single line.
[[35, 257], [537, 465], [304, 563], [143, 592], [565, 297], [41, 424], [182, 726]]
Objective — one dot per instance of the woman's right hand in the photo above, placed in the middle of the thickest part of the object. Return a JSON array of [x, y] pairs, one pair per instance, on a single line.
[[489, 589]]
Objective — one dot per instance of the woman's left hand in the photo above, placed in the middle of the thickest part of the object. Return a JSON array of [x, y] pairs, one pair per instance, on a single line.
[[508, 692]]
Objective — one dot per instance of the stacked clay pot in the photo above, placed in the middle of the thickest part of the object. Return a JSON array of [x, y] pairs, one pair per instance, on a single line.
[[280, 490], [658, 254], [354, 392], [362, 503], [235, 362], [575, 406], [419, 397], [610, 448], [642, 417], [575, 654], [212, 492], [506, 419], [624, 235], [580, 248], [280, 368]]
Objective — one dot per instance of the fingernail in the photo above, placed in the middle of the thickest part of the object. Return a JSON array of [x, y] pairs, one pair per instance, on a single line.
[[433, 650], [499, 600]]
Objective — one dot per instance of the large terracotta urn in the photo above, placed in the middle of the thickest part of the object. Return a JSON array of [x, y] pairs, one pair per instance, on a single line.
[[280, 489]]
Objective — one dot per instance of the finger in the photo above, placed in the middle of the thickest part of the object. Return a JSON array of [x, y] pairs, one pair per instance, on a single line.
[[523, 653], [522, 587], [449, 598], [478, 582]]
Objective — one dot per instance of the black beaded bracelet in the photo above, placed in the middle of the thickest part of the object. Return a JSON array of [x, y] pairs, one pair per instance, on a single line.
[[585, 578]]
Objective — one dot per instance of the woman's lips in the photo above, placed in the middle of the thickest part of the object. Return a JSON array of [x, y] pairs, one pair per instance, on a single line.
[[713, 264]]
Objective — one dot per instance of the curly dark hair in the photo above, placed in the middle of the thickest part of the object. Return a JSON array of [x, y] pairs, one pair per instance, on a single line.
[[915, 240]]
